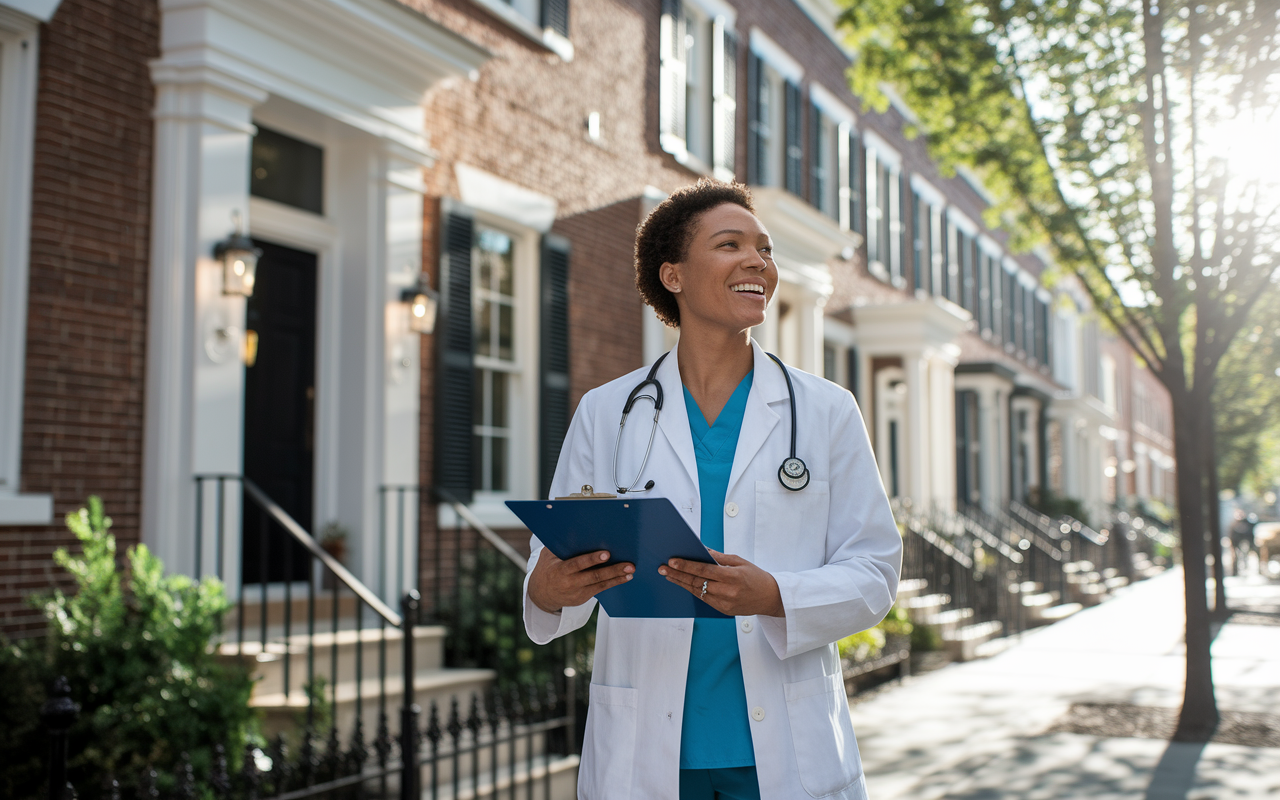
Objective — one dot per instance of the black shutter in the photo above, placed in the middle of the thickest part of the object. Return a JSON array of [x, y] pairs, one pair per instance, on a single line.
[[853, 371], [555, 15], [755, 142], [454, 425], [814, 157], [794, 146], [857, 223], [728, 107], [553, 369]]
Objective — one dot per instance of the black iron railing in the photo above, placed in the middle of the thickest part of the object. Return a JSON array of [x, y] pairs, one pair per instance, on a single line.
[[310, 620]]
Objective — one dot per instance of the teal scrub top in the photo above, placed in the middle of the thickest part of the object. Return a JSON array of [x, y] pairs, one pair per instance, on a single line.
[[716, 731]]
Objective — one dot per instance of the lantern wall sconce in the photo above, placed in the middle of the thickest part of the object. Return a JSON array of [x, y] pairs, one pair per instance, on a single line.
[[239, 259], [423, 304]]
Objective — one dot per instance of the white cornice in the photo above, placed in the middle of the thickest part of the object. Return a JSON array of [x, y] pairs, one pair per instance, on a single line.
[[830, 104], [800, 232], [929, 324], [775, 56], [41, 10], [366, 63]]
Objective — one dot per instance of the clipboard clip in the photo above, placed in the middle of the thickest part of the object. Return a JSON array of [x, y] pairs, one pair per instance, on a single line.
[[589, 493]]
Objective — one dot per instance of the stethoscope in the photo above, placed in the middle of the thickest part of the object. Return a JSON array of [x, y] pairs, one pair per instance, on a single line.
[[793, 474]]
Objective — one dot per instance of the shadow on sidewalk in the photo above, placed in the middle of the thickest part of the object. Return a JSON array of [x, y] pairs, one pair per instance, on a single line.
[[1176, 771]]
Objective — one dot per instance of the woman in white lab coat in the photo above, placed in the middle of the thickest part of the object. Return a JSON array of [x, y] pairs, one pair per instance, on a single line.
[[797, 570]]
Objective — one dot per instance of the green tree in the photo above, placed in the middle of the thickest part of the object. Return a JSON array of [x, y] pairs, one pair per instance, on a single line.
[[1092, 121], [1247, 403]]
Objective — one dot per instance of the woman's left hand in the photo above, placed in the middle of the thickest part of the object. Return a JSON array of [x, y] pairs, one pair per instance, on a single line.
[[735, 586]]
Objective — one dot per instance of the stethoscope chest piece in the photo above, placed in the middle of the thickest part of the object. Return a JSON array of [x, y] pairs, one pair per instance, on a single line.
[[793, 474]]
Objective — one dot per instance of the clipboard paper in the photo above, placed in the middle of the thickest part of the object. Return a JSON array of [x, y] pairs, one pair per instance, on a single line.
[[646, 532]]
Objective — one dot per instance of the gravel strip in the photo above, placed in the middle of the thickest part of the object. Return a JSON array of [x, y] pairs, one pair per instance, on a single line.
[[1122, 720]]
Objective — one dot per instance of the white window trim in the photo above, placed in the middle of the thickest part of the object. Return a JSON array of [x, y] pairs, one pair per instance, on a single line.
[[884, 151], [19, 64], [962, 222], [530, 27], [782, 63], [830, 105], [927, 192], [717, 8], [990, 246]]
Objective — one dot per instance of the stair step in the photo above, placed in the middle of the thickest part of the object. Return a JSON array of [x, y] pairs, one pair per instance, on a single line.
[[947, 622], [1116, 582], [1060, 612], [928, 601], [268, 663], [963, 643], [992, 647], [1039, 600], [911, 587], [281, 713]]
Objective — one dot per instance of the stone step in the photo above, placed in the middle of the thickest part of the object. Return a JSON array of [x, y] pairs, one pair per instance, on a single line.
[[281, 713], [269, 663], [911, 587], [924, 605], [963, 643], [276, 607], [1059, 612], [1115, 582], [1039, 600], [948, 622]]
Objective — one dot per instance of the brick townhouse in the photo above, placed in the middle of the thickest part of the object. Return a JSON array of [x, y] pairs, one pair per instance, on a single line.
[[501, 154]]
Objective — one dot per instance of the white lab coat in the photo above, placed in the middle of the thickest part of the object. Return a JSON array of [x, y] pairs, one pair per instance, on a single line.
[[833, 548]]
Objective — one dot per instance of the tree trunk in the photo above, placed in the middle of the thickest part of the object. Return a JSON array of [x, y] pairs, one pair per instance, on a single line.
[[1199, 715], [1220, 609]]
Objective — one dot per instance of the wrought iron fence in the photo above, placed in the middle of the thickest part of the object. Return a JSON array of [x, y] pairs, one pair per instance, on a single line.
[[329, 645]]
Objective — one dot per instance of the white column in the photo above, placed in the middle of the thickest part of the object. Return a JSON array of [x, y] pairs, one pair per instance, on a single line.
[[917, 434], [200, 168], [810, 324], [942, 432]]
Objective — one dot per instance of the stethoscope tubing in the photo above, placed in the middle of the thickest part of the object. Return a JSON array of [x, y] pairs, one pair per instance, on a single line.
[[793, 474]]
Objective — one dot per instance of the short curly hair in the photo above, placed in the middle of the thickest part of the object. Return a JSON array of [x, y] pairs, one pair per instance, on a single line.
[[666, 233]]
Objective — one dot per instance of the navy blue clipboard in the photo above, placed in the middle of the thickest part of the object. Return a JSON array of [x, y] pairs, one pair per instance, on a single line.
[[645, 532]]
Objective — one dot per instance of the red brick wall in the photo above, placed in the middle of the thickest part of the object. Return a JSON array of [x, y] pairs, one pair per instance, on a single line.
[[83, 415]]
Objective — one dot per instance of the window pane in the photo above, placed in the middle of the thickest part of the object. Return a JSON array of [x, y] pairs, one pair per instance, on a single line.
[[505, 324], [287, 170], [498, 406], [484, 314], [477, 462], [499, 470], [478, 405], [495, 259]]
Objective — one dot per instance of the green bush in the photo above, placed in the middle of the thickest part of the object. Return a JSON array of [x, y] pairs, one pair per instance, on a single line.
[[137, 647], [869, 644]]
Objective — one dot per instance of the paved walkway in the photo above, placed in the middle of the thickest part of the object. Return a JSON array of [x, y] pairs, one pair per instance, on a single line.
[[978, 730]]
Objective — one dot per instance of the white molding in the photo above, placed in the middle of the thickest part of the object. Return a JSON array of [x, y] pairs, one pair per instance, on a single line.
[[41, 10], [1044, 295], [26, 509], [779, 59], [484, 191], [884, 151], [825, 14], [991, 247], [1026, 280], [926, 190], [717, 8], [800, 232], [961, 221], [1010, 265], [529, 28], [19, 66], [830, 104]]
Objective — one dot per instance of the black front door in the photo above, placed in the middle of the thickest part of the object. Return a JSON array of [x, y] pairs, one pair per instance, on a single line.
[[279, 405]]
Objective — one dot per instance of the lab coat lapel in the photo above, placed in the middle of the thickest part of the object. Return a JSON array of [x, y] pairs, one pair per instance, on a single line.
[[674, 419], [758, 420]]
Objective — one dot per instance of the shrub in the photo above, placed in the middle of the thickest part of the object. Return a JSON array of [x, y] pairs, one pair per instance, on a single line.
[[136, 646]]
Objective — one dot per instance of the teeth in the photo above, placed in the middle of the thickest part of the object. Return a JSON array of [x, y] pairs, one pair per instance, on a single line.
[[748, 287]]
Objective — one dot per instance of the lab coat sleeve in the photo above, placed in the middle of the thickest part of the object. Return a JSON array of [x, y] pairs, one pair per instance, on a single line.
[[574, 468], [857, 585]]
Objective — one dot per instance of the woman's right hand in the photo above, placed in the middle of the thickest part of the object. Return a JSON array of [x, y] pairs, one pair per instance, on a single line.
[[556, 584]]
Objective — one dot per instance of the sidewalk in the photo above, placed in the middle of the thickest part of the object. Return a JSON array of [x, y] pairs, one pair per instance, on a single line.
[[981, 730]]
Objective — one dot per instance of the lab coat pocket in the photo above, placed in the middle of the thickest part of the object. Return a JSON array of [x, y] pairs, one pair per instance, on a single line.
[[822, 732], [608, 756], [791, 527]]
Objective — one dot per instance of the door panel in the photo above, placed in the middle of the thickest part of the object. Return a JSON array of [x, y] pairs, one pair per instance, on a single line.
[[279, 405]]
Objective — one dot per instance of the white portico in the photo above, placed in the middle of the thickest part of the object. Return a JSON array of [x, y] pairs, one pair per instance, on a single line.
[[908, 351], [344, 78]]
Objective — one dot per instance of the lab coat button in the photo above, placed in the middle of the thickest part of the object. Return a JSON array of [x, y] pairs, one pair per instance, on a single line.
[[757, 713], [731, 509], [746, 626]]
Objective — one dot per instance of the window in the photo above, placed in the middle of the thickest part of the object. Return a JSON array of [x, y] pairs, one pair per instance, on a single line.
[[698, 86], [884, 210], [287, 170], [927, 237], [775, 152], [830, 124], [19, 45], [493, 278]]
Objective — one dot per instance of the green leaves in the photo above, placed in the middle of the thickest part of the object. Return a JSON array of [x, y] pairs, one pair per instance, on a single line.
[[137, 646]]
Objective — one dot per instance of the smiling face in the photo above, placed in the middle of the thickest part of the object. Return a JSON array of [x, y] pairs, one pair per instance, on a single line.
[[727, 276]]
